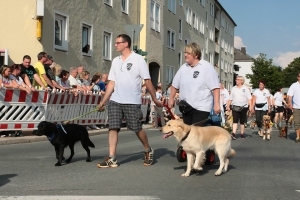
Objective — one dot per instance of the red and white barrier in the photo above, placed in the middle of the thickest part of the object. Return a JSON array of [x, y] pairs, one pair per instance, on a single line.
[[20, 111]]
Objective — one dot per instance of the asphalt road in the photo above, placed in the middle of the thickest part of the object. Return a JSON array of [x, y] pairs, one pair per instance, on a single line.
[[260, 170]]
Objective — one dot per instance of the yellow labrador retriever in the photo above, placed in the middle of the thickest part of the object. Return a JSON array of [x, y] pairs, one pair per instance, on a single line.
[[197, 140]]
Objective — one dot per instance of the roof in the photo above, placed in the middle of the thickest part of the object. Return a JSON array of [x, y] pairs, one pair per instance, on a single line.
[[240, 56]]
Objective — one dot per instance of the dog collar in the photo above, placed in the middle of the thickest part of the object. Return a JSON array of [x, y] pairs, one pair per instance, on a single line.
[[186, 135], [50, 137]]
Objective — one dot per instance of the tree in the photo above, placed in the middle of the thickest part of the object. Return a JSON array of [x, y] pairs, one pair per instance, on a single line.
[[264, 70], [290, 73]]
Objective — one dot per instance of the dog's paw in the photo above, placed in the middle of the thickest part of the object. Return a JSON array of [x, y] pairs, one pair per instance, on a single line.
[[218, 173], [89, 160], [197, 168], [58, 164], [185, 175]]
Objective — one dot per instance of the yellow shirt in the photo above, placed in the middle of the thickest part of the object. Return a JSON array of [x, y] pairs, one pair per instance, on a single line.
[[40, 69]]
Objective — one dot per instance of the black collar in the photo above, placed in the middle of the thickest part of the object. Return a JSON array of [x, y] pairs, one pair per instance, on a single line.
[[186, 135]]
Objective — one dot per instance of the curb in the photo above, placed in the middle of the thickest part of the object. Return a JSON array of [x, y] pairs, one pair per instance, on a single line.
[[32, 138]]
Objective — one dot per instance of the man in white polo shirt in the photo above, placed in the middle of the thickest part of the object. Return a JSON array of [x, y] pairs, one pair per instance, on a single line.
[[198, 85], [125, 88], [294, 105]]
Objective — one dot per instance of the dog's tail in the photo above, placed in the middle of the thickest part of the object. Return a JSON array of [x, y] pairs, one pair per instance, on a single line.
[[91, 144], [232, 152]]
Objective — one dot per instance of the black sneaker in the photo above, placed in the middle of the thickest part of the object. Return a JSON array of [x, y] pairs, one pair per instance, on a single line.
[[108, 162], [242, 136], [233, 136], [149, 157]]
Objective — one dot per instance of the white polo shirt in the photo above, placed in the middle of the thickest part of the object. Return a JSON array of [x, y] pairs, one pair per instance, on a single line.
[[294, 91], [225, 94], [128, 77], [278, 99], [74, 81], [240, 96], [261, 97], [196, 83]]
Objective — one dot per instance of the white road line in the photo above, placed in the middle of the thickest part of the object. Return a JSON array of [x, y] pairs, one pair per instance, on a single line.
[[297, 190], [44, 197]]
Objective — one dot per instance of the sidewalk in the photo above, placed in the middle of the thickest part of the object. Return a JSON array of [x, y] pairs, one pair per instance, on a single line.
[[29, 137]]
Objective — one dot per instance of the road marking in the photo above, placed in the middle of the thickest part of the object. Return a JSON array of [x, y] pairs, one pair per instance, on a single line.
[[44, 197], [297, 190]]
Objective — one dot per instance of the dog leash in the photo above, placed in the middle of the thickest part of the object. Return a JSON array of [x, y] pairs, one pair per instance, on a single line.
[[96, 109]]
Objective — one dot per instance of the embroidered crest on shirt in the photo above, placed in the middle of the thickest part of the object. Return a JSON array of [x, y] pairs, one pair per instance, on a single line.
[[264, 94], [196, 74], [129, 65], [244, 90]]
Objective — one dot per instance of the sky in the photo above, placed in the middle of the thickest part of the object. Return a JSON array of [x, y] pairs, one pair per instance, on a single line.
[[271, 27]]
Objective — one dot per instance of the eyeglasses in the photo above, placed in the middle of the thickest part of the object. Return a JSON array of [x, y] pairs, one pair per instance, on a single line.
[[117, 43]]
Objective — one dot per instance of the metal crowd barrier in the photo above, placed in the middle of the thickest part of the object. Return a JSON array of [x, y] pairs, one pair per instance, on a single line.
[[20, 111]]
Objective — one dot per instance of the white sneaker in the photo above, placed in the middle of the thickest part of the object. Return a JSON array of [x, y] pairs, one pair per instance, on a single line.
[[95, 127], [88, 128]]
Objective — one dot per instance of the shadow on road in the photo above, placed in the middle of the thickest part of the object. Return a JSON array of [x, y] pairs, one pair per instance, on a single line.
[[4, 179]]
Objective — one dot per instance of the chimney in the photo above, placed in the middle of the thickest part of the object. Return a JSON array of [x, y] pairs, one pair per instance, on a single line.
[[243, 50]]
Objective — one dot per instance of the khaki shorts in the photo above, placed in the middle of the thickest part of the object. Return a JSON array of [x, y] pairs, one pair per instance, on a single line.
[[296, 119]]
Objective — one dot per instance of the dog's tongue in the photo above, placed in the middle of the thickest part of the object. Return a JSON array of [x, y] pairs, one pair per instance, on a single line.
[[165, 136]]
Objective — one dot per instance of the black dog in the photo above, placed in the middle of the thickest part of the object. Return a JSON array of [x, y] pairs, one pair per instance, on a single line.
[[61, 136]]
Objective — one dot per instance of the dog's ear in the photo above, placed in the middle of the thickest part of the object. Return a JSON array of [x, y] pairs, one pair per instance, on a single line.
[[186, 128]]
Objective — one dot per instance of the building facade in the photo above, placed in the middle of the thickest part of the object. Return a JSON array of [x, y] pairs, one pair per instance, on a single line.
[[64, 29], [243, 64]]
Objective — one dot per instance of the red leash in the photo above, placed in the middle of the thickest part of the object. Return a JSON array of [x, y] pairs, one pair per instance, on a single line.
[[169, 111]]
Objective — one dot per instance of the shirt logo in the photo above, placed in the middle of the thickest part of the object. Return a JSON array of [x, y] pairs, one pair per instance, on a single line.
[[129, 65], [196, 74], [244, 90], [264, 94]]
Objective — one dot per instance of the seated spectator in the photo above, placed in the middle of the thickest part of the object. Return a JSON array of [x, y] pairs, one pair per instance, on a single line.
[[29, 74], [86, 48], [5, 80], [64, 79], [84, 78], [95, 81], [16, 79], [56, 71], [74, 83]]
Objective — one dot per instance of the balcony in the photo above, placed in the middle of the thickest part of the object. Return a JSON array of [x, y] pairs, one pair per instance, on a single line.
[[217, 48], [217, 24]]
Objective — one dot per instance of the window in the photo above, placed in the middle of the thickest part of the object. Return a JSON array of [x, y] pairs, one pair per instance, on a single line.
[[202, 2], [155, 16], [172, 6], [206, 20], [61, 32], [181, 2], [170, 74], [211, 34], [171, 39], [124, 6], [180, 29], [152, 22], [87, 39], [179, 59], [186, 41], [206, 45], [106, 45], [108, 2], [212, 10], [222, 64], [202, 26], [189, 15]]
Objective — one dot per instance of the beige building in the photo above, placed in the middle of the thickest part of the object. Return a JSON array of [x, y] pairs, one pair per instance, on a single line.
[[68, 26]]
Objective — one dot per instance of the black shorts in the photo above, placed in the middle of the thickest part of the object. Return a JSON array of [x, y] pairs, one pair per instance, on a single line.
[[279, 109], [131, 112]]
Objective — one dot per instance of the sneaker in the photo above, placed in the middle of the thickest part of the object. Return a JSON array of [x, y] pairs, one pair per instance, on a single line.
[[149, 157], [94, 127], [108, 162], [88, 128], [242, 136], [233, 136]]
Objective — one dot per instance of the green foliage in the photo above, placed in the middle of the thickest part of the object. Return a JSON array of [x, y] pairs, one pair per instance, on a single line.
[[264, 70], [290, 73]]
